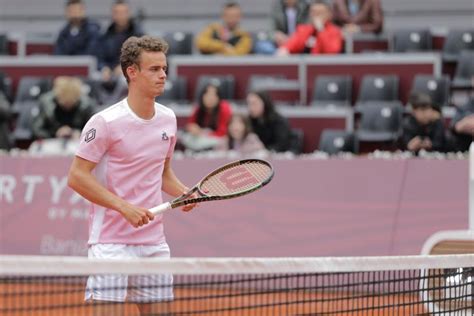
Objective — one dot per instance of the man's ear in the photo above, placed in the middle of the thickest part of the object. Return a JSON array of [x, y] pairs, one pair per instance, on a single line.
[[132, 71]]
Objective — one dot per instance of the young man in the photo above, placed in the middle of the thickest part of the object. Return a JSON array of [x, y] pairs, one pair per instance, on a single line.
[[226, 38], [80, 35], [129, 147], [424, 128]]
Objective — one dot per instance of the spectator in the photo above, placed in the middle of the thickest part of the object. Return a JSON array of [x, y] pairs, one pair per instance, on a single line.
[[272, 128], [80, 35], [5, 115], [208, 121], [240, 137], [359, 15], [225, 38], [64, 111], [286, 15], [122, 27], [424, 128], [320, 36], [462, 127]]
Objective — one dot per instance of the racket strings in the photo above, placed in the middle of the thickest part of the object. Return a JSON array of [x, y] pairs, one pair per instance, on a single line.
[[237, 178]]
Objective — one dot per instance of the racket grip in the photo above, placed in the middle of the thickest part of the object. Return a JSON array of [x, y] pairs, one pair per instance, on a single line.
[[161, 208]]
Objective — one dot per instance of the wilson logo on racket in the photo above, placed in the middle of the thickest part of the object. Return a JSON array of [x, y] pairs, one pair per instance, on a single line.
[[230, 181], [237, 178]]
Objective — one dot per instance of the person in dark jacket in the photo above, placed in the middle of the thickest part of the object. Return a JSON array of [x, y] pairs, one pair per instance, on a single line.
[[462, 126], [64, 111], [5, 116], [80, 35], [424, 128], [273, 129], [122, 27], [356, 16]]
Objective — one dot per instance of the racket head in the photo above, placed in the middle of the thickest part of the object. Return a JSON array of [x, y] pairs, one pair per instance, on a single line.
[[236, 178]]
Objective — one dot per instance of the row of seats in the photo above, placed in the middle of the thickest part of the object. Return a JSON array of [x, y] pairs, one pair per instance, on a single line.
[[414, 40], [328, 90]]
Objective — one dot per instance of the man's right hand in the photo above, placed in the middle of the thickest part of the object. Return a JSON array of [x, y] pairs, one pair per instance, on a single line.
[[137, 216]]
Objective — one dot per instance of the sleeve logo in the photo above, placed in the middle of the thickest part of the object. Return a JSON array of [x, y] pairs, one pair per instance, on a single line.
[[90, 135]]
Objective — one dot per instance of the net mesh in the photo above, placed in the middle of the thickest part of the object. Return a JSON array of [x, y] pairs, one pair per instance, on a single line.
[[237, 178], [435, 285]]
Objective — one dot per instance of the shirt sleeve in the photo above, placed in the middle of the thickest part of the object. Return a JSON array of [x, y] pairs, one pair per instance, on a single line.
[[94, 140]]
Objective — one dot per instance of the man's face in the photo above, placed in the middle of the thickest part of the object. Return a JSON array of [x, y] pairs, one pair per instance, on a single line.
[[75, 12], [320, 11], [423, 115], [121, 15], [231, 17], [150, 77]]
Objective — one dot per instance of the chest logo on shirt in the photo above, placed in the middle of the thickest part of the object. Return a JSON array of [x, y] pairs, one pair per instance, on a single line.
[[90, 135], [164, 136]]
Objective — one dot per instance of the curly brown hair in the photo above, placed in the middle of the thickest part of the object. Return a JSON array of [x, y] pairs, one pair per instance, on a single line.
[[133, 46]]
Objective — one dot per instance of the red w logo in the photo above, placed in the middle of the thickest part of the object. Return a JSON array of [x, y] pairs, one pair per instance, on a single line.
[[237, 178]]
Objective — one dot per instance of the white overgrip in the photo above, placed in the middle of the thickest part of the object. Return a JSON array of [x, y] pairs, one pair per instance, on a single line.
[[161, 208]]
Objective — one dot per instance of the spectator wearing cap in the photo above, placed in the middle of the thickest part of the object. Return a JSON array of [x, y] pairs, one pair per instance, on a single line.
[[80, 34], [356, 16], [320, 36], [423, 129], [226, 37], [64, 111]]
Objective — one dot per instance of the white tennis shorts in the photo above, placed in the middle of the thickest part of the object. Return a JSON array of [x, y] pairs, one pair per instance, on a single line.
[[134, 288]]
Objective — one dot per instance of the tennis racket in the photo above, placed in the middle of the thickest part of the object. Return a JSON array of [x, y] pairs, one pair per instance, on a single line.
[[229, 181]]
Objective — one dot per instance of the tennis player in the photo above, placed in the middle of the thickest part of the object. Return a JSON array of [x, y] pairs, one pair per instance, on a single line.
[[122, 164]]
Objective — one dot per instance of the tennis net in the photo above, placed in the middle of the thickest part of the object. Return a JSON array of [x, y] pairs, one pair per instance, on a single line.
[[407, 285]]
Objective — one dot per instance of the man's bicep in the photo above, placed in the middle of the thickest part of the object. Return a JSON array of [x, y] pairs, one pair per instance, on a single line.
[[82, 165]]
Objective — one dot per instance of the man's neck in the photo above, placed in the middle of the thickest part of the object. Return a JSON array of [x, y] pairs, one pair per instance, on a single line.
[[142, 106]]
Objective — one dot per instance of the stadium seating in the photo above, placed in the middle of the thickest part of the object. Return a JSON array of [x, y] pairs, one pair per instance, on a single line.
[[438, 88], [378, 88], [6, 86], [412, 40], [175, 91], [22, 132], [3, 44], [281, 89], [330, 91], [334, 141], [297, 141], [226, 83], [30, 89], [455, 42], [380, 122], [180, 43], [464, 70]]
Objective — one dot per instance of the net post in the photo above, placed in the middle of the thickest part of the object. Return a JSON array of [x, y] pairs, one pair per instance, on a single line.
[[471, 187]]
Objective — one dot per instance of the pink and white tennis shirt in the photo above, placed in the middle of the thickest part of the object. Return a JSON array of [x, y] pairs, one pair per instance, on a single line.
[[130, 153]]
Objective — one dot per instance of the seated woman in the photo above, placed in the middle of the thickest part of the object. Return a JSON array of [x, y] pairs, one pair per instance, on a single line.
[[240, 137], [208, 121], [273, 129]]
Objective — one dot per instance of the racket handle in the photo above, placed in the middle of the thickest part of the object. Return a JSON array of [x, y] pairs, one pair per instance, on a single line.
[[161, 208]]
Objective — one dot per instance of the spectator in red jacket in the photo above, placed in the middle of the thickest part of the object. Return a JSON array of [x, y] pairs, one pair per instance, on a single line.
[[320, 36], [209, 120]]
